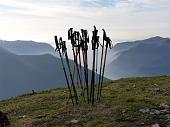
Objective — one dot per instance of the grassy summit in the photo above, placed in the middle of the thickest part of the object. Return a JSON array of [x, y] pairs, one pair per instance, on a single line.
[[121, 105]]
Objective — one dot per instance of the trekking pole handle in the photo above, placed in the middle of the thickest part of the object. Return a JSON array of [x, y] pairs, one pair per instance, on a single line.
[[107, 39], [95, 39], [70, 33], [58, 47]]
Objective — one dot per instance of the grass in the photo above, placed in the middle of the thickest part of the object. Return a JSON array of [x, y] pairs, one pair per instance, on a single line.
[[119, 107]]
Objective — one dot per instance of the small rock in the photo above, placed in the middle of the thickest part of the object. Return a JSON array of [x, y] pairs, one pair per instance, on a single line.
[[164, 106], [3, 119], [123, 111], [165, 111], [168, 116], [155, 125], [152, 113], [33, 92], [146, 110], [156, 85], [157, 112], [142, 123], [157, 89], [41, 116], [22, 116], [134, 86], [74, 121]]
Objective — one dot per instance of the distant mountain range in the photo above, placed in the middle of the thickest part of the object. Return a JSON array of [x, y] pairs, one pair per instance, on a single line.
[[26, 66], [20, 47], [22, 73], [148, 57]]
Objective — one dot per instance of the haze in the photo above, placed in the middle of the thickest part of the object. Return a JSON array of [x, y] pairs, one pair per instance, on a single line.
[[40, 20]]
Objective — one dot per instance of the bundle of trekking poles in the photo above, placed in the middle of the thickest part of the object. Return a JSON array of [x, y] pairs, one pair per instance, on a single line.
[[83, 84]]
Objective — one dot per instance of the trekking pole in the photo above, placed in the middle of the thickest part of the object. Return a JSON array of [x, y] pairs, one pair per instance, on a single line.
[[64, 51], [73, 37], [96, 68], [97, 60], [58, 47], [84, 46], [101, 65], [108, 43], [87, 71], [78, 38], [95, 45]]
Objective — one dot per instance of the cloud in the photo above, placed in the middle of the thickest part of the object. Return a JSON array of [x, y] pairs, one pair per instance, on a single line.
[[80, 8], [123, 19]]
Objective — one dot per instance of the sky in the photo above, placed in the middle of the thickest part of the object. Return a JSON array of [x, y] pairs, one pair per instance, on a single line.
[[40, 20]]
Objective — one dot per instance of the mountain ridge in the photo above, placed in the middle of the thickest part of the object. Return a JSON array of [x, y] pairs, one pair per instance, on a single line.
[[22, 73], [22, 47], [140, 58]]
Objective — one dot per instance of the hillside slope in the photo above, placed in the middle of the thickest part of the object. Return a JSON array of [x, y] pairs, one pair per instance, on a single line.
[[128, 102], [22, 73]]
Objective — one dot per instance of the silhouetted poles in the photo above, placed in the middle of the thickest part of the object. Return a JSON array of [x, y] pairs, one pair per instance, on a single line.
[[108, 44], [78, 55], [79, 42], [74, 42], [84, 46], [101, 66], [58, 47], [64, 51], [95, 45]]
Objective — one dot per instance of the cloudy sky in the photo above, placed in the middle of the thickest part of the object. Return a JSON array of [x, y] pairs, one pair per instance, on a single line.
[[40, 20]]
